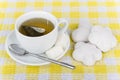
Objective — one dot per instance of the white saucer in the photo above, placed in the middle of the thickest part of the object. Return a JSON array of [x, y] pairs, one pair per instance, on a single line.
[[29, 60]]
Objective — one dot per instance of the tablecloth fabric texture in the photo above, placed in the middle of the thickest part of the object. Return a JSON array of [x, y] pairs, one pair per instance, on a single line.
[[102, 12]]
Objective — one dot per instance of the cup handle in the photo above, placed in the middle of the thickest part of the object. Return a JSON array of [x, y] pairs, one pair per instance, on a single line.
[[65, 22]]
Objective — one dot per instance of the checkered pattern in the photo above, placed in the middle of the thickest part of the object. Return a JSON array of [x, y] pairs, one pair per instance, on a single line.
[[103, 12]]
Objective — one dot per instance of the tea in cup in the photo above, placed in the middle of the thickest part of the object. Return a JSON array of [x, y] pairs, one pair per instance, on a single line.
[[27, 31]]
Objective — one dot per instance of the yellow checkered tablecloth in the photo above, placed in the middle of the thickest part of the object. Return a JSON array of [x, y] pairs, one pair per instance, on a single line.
[[103, 12]]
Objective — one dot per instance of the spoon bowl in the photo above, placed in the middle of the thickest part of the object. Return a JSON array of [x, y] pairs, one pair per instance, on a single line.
[[17, 49]]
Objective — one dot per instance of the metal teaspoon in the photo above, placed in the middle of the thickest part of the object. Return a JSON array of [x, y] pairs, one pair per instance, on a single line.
[[16, 49]]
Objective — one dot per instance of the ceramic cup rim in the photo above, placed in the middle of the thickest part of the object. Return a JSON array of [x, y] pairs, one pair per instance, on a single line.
[[35, 12]]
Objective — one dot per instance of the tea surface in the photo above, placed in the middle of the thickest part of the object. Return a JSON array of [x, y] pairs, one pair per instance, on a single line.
[[36, 22]]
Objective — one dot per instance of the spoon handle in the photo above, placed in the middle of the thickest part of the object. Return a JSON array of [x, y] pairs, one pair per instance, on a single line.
[[54, 61]]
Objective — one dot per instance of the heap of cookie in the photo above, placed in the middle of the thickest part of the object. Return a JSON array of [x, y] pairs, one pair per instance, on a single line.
[[91, 42]]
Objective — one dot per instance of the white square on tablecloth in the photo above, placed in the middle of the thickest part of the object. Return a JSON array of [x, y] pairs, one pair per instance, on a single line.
[[103, 20], [2, 60], [89, 76], [102, 9], [47, 9], [19, 77], [9, 10], [2, 47], [110, 61], [66, 76], [28, 9], [113, 76], [83, 9], [66, 9], [43, 77], [8, 21]]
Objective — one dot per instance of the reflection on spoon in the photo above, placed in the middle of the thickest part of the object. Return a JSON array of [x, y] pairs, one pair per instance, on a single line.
[[16, 49]]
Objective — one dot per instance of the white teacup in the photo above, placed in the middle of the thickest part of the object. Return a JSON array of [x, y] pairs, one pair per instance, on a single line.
[[39, 44]]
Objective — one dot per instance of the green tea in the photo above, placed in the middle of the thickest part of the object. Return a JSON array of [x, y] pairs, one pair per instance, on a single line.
[[36, 22]]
